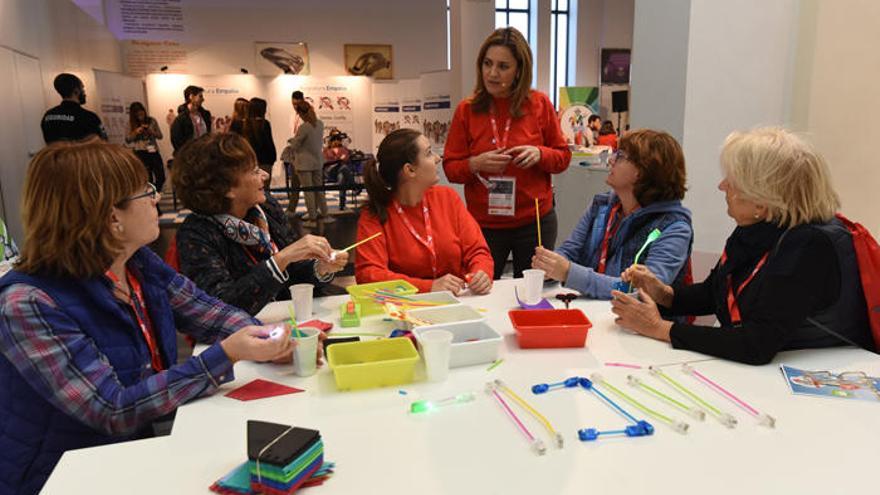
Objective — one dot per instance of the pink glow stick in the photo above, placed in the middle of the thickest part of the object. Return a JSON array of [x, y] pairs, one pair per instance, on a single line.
[[624, 365], [512, 415], [724, 392]]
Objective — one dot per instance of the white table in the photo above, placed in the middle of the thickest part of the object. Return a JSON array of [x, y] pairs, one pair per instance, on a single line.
[[818, 445]]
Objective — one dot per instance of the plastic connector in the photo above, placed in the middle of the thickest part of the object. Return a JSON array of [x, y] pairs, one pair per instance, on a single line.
[[588, 434], [697, 414], [586, 383], [633, 380], [490, 387], [640, 429], [559, 440], [679, 426], [767, 420], [539, 447], [540, 388], [727, 420]]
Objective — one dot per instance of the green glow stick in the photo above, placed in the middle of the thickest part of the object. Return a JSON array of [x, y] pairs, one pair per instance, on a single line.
[[421, 406], [725, 419], [676, 425], [651, 238], [298, 334], [693, 411]]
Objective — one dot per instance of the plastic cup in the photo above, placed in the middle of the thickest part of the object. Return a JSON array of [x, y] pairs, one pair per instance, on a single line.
[[302, 296], [305, 351], [436, 345], [533, 281]]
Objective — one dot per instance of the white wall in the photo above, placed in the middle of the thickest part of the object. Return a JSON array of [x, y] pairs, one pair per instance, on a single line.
[[600, 24], [220, 33], [835, 97]]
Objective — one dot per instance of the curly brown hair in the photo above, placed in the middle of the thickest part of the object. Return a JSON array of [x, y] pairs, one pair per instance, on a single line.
[[206, 169], [660, 162]]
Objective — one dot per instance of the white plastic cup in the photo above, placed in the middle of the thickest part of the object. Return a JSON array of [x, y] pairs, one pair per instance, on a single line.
[[436, 345], [302, 296], [533, 282], [305, 351]]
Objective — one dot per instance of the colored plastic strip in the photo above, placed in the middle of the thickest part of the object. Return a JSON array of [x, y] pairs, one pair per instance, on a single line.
[[536, 444], [675, 424], [525, 405], [624, 365], [763, 419], [694, 412], [723, 417]]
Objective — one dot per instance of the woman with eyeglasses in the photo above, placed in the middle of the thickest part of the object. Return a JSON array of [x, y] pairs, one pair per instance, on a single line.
[[504, 145], [788, 277], [237, 244], [647, 180], [89, 317]]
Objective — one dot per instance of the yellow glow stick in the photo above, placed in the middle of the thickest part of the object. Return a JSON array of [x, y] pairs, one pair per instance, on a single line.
[[377, 234], [538, 221]]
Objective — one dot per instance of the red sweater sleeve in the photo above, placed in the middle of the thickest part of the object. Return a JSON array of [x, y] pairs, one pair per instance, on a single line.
[[457, 153], [555, 155], [475, 251], [371, 264]]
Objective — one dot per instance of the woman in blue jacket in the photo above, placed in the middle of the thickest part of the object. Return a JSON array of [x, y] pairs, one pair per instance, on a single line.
[[89, 317], [647, 179]]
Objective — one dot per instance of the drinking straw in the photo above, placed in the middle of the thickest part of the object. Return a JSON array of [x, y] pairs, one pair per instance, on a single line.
[[525, 405], [538, 221], [296, 330], [377, 234], [536, 444]]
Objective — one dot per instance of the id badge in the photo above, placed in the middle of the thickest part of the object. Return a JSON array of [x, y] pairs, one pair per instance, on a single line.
[[502, 196]]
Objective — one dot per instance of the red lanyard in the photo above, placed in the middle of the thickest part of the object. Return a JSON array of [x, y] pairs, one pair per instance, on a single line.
[[499, 143], [610, 229], [732, 306], [139, 306], [429, 242]]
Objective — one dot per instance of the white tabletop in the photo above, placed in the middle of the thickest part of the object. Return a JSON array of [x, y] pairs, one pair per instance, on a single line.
[[818, 446]]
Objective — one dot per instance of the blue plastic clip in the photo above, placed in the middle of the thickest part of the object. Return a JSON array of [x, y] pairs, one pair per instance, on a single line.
[[546, 387], [640, 429]]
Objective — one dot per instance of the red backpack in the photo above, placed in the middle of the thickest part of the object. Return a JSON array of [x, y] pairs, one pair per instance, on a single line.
[[868, 257]]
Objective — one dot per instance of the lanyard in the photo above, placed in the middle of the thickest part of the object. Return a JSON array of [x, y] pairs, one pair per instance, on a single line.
[[732, 306], [610, 229], [273, 249], [139, 306], [500, 143], [429, 242]]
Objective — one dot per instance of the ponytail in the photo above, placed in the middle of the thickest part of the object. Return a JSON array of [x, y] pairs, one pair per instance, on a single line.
[[382, 177]]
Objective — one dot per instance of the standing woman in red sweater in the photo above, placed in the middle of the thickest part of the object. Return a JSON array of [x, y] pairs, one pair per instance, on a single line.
[[503, 145], [429, 238]]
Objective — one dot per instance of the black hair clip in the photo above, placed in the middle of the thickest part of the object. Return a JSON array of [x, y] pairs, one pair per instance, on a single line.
[[567, 298]]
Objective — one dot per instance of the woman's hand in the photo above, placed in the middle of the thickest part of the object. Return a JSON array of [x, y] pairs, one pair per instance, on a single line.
[[491, 162], [309, 247], [479, 283], [252, 343], [554, 264], [448, 282], [640, 277], [525, 156], [340, 259], [639, 316]]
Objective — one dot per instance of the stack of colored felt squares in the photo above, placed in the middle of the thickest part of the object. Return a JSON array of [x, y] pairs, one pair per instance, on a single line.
[[281, 460]]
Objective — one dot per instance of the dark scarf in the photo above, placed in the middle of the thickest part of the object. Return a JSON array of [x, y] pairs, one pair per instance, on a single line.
[[746, 246]]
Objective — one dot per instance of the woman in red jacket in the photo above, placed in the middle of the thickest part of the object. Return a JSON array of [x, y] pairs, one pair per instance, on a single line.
[[429, 238], [503, 145]]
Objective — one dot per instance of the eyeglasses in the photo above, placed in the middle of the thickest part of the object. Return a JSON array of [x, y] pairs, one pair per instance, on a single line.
[[150, 192], [617, 155]]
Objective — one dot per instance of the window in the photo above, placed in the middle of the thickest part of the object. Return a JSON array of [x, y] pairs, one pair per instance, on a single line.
[[514, 13], [559, 43]]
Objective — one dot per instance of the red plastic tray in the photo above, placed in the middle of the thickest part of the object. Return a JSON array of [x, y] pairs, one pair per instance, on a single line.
[[550, 328]]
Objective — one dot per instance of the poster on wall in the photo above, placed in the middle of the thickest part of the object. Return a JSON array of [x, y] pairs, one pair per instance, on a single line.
[[576, 104], [386, 111], [116, 92], [410, 91], [369, 60], [145, 19], [271, 59], [142, 57], [615, 65], [436, 108]]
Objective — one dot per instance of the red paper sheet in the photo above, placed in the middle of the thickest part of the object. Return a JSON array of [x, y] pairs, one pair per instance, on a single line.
[[260, 389]]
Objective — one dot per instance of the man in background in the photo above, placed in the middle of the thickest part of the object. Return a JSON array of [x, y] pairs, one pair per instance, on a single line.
[[69, 120], [192, 121]]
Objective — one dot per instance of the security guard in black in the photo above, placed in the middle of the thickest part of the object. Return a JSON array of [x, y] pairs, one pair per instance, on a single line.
[[70, 121]]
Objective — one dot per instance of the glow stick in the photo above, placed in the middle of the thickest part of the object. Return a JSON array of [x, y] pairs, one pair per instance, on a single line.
[[765, 419], [538, 221], [298, 334], [694, 412], [624, 365], [725, 419], [377, 234], [676, 425], [536, 444], [421, 406], [525, 405]]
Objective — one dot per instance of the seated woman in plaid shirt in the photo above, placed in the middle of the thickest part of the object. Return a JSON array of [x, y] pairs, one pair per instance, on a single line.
[[88, 317]]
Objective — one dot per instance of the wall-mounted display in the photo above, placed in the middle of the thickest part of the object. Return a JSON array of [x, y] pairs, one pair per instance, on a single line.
[[615, 65], [281, 58], [369, 60]]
